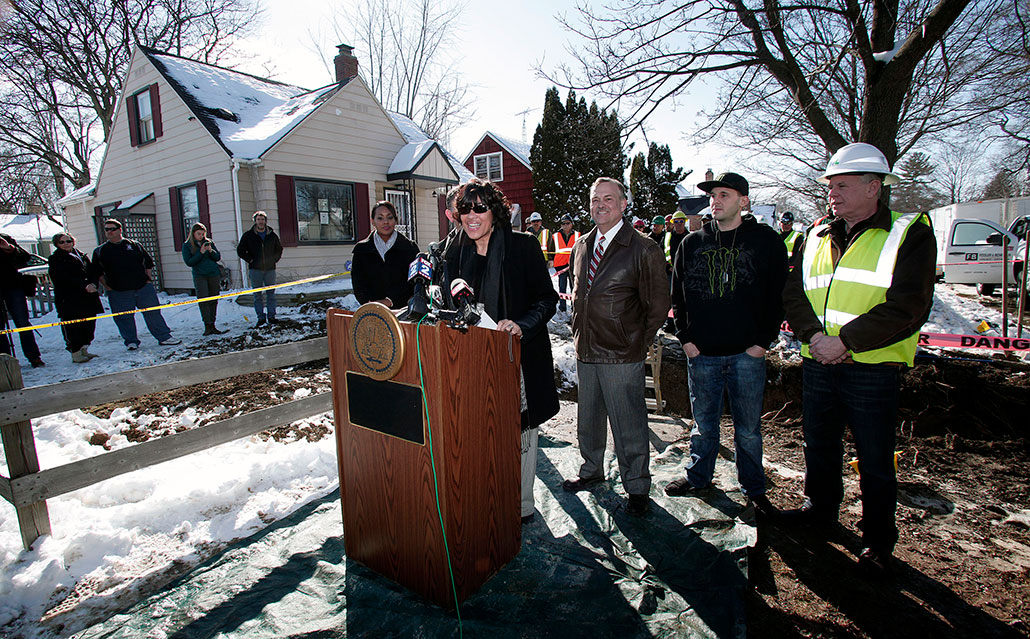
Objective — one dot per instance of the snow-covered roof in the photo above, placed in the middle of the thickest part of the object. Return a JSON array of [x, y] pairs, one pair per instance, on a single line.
[[78, 195], [29, 228], [246, 114], [128, 203], [413, 134], [409, 156], [519, 149]]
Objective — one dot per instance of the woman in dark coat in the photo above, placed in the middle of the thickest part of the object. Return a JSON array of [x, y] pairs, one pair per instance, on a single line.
[[75, 296], [508, 274], [379, 268]]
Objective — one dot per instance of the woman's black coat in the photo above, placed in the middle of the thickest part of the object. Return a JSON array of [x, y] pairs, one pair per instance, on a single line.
[[68, 273], [529, 301], [374, 278]]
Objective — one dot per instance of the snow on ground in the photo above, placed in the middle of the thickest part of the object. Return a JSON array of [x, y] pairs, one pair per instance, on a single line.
[[110, 538]]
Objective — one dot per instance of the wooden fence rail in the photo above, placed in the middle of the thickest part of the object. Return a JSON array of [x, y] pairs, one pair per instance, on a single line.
[[28, 487]]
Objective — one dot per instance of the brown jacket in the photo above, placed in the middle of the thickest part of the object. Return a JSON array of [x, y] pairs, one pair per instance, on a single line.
[[909, 298], [616, 321]]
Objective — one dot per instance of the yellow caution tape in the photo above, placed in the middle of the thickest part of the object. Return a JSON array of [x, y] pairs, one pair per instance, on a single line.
[[170, 305]]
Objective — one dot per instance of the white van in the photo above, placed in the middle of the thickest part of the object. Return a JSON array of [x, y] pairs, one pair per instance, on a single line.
[[970, 252]]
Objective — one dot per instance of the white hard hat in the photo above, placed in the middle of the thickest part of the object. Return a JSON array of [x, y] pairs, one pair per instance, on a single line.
[[535, 217], [859, 158]]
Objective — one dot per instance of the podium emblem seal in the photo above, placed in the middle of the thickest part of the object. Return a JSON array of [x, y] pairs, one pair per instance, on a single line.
[[376, 341]]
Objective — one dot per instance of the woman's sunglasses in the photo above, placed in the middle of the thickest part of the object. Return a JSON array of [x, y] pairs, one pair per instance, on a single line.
[[478, 208]]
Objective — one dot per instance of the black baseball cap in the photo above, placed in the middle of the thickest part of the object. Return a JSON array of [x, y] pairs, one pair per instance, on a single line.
[[726, 180]]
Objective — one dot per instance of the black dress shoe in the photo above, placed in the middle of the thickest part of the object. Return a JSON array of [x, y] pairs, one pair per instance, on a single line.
[[682, 486], [763, 507], [638, 505], [875, 563], [807, 517], [580, 483]]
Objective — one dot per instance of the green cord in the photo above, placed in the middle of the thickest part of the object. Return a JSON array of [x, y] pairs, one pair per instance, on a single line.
[[432, 464]]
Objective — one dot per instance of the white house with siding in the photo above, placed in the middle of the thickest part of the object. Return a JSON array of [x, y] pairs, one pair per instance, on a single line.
[[193, 141]]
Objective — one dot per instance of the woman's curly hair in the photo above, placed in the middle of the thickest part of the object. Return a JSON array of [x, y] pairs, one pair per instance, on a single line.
[[488, 194]]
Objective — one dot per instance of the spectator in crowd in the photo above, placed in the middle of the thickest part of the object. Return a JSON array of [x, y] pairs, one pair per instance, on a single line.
[[791, 238], [542, 235], [261, 249], [508, 275], [727, 283], [857, 299], [201, 255], [13, 289], [125, 269], [657, 233], [671, 241], [620, 299], [379, 270], [75, 296], [561, 248]]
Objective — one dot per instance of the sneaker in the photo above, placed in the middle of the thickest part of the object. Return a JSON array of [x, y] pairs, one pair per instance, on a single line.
[[682, 486], [38, 363], [216, 331], [208, 330], [638, 505], [133, 347], [272, 320], [78, 357], [261, 322], [171, 341], [807, 517]]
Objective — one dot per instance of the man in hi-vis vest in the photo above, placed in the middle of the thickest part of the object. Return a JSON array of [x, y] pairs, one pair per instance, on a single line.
[[561, 250], [860, 290]]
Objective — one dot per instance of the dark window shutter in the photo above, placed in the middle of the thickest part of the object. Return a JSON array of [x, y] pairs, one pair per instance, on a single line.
[[155, 109], [98, 222], [173, 199], [205, 214], [133, 113], [441, 208], [286, 198], [363, 208]]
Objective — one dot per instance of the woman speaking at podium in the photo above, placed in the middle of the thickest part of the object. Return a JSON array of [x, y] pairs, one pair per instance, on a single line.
[[508, 276], [379, 271]]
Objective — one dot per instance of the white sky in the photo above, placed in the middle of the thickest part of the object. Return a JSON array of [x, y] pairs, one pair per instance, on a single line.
[[499, 44]]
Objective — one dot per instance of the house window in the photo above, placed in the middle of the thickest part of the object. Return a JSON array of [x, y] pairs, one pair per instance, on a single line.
[[488, 167], [325, 212], [189, 206], [401, 201], [144, 117]]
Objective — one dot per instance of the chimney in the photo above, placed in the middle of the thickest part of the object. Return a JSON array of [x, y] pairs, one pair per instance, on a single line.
[[346, 63], [709, 176]]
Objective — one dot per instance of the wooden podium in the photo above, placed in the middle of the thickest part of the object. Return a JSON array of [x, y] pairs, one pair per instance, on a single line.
[[390, 518]]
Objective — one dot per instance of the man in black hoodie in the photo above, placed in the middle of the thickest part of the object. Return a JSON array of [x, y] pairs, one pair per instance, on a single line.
[[727, 284]]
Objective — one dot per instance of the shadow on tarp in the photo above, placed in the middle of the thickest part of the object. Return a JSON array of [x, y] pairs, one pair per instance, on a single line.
[[586, 569]]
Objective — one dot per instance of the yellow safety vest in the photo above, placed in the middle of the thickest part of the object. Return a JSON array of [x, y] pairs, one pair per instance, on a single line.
[[789, 241], [667, 245], [543, 237], [858, 282]]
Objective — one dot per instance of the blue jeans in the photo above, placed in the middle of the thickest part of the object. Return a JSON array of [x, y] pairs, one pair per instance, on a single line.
[[257, 280], [864, 397], [145, 297], [564, 284], [709, 377], [18, 309]]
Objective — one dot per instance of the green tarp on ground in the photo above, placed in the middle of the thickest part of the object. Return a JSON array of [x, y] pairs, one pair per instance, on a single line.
[[586, 569]]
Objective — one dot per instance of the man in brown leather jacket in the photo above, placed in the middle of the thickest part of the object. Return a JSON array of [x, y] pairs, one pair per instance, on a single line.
[[620, 300]]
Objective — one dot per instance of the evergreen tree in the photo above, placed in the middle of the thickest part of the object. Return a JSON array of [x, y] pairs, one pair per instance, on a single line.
[[652, 182], [573, 145], [915, 192], [1003, 184], [640, 186]]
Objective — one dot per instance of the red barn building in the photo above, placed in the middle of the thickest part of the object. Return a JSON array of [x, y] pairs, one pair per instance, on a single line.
[[506, 162]]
